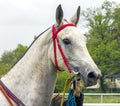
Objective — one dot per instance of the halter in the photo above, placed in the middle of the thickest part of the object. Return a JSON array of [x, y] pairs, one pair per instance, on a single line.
[[9, 95], [56, 40]]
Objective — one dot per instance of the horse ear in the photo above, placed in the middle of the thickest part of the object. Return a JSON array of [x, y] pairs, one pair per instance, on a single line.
[[75, 18], [59, 15]]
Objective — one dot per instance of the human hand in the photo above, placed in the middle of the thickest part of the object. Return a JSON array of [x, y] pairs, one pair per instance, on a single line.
[[78, 88]]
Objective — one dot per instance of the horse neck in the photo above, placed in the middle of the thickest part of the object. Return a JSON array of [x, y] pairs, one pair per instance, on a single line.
[[34, 74]]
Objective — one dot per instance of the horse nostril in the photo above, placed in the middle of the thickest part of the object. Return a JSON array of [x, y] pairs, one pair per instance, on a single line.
[[92, 76]]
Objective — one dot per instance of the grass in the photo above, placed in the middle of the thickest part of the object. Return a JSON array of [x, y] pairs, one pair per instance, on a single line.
[[97, 99], [111, 99]]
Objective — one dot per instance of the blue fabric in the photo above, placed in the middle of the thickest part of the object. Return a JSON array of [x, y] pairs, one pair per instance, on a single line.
[[71, 99]]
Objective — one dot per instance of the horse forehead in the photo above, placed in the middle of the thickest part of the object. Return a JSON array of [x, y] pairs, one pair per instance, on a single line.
[[72, 33]]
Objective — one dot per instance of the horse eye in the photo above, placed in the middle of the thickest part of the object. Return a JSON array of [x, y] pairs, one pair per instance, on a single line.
[[66, 41]]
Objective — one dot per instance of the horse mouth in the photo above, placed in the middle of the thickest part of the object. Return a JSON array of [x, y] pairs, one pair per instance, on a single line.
[[89, 78], [85, 81]]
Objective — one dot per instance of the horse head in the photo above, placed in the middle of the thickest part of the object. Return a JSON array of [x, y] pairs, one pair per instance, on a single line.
[[73, 45]]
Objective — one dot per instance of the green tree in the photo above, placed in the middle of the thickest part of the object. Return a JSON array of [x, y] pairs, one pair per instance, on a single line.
[[61, 78], [104, 38], [9, 58]]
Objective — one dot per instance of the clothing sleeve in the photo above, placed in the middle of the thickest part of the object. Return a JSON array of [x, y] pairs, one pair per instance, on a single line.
[[79, 100], [71, 99]]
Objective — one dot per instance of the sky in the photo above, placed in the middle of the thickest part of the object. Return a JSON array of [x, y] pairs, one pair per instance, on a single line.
[[21, 20]]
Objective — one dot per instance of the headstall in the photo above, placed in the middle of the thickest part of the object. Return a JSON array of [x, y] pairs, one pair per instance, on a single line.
[[55, 32]]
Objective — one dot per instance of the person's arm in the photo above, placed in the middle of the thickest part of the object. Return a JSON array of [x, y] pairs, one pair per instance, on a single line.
[[78, 94]]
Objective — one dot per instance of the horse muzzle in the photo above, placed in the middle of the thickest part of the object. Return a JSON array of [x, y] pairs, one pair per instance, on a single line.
[[89, 77]]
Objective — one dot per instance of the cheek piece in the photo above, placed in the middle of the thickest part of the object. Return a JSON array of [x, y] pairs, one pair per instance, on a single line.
[[56, 42]]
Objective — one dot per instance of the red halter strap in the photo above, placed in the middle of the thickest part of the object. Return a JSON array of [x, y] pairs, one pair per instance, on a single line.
[[56, 40]]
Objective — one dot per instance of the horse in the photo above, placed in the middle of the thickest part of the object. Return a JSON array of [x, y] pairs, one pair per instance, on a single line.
[[32, 79]]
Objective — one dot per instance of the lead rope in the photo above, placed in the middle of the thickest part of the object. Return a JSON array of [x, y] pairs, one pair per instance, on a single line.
[[11, 95], [67, 82], [6, 96]]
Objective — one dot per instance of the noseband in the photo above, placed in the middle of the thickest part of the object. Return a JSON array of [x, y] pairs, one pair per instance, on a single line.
[[55, 32]]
